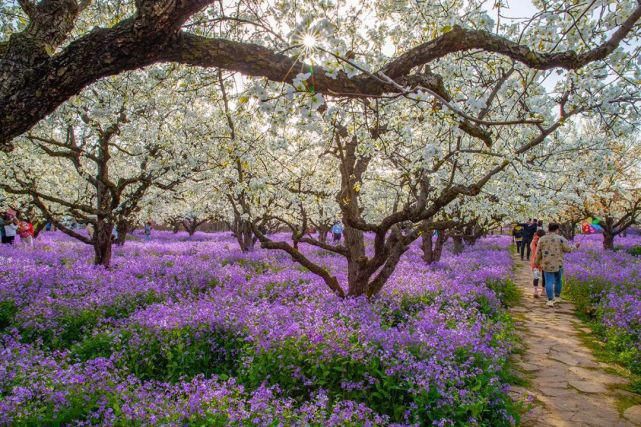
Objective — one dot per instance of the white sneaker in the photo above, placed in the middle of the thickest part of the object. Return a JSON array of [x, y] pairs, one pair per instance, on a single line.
[[550, 303], [558, 300]]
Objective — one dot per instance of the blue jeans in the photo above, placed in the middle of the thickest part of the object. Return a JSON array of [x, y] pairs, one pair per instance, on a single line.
[[553, 283]]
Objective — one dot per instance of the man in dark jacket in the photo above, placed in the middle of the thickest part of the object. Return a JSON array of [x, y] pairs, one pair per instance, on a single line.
[[517, 236], [528, 234], [2, 235]]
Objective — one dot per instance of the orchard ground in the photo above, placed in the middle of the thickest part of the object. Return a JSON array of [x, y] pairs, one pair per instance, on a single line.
[[192, 331]]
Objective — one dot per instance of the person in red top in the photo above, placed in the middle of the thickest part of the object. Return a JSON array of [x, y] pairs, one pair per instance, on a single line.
[[25, 231]]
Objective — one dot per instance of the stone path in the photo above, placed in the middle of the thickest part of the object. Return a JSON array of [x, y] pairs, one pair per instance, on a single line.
[[568, 386]]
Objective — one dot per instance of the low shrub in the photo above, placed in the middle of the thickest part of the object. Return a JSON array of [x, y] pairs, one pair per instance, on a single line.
[[8, 310], [635, 251], [168, 355]]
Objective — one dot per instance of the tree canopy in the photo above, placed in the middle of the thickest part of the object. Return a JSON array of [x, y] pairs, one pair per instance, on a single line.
[[397, 118]]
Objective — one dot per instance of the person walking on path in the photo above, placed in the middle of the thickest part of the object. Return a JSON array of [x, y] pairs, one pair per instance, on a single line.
[[26, 232], [337, 231], [537, 275], [89, 228], [517, 236], [528, 234], [549, 255], [148, 230], [10, 229], [3, 215]]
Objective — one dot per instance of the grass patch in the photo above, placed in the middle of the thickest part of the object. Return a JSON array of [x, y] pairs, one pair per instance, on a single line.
[[603, 354]]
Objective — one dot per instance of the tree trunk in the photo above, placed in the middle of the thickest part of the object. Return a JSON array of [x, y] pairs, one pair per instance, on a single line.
[[441, 238], [458, 245], [322, 234], [102, 243], [608, 240], [427, 243], [122, 228], [568, 230], [471, 235], [428, 247], [357, 277], [363, 275], [395, 253], [471, 239], [609, 232], [244, 235], [357, 280], [191, 225]]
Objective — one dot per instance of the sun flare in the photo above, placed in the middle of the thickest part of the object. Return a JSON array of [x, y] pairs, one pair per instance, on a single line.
[[309, 41]]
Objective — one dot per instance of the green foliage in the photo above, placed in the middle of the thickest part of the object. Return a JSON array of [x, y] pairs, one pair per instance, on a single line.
[[506, 291], [625, 347], [8, 310], [73, 326], [393, 315], [168, 355], [98, 345], [258, 267], [180, 353], [635, 250], [301, 369], [78, 406], [585, 295], [619, 346]]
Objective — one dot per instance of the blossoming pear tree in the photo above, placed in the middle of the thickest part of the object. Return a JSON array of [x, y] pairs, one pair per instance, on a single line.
[[411, 107], [52, 49], [96, 158], [607, 187]]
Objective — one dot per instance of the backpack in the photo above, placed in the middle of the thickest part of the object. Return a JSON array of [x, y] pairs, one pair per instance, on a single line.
[[518, 232]]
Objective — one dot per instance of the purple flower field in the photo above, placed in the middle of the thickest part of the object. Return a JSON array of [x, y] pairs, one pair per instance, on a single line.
[[192, 331], [606, 285]]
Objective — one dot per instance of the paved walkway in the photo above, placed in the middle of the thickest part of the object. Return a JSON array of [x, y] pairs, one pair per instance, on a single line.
[[568, 385]]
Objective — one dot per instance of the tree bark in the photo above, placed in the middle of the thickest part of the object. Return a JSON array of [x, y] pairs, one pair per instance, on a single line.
[[459, 246], [568, 229], [191, 225], [394, 256], [472, 233], [427, 242], [609, 232], [123, 229], [441, 238], [323, 232], [102, 243], [427, 245], [608, 241], [244, 235], [357, 277]]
